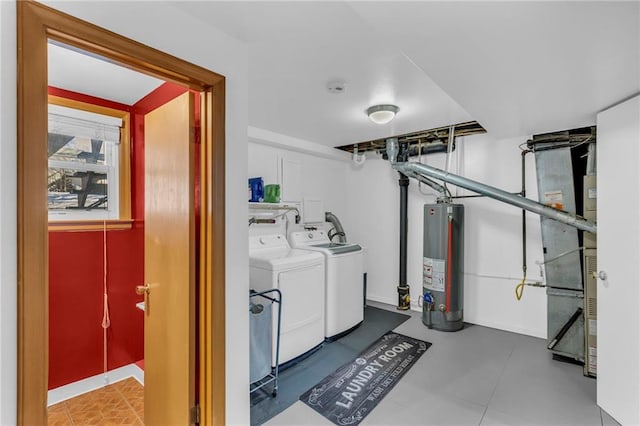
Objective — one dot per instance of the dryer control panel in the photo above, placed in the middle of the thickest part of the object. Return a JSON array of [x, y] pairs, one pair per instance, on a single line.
[[267, 241]]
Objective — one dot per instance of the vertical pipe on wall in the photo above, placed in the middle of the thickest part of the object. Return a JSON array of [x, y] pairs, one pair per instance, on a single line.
[[523, 192], [403, 287]]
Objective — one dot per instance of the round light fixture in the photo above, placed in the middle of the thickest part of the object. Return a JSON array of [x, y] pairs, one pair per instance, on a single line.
[[382, 114]]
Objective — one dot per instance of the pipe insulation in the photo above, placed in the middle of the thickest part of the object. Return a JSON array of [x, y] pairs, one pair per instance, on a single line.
[[497, 194]]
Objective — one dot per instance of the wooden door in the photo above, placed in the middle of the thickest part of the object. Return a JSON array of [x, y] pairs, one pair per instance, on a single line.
[[169, 326], [618, 154]]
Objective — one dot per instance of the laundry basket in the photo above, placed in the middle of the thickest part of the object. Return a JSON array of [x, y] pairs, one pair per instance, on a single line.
[[260, 340]]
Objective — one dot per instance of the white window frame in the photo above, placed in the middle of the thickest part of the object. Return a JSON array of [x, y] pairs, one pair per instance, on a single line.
[[111, 169], [118, 180]]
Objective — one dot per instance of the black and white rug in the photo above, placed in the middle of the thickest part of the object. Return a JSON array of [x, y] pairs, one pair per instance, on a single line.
[[296, 379], [348, 395]]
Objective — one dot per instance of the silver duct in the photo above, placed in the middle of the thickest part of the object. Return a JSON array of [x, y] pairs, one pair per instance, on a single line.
[[591, 160], [337, 226], [495, 193], [392, 149]]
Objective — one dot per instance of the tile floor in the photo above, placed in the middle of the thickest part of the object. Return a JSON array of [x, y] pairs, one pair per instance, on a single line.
[[478, 376], [120, 403]]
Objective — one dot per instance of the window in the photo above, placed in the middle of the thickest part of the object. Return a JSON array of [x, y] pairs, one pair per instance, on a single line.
[[88, 149]]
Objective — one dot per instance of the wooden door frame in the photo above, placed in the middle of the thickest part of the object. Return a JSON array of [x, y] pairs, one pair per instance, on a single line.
[[36, 24]]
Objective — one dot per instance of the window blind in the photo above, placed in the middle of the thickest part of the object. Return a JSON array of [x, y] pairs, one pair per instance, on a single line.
[[73, 122]]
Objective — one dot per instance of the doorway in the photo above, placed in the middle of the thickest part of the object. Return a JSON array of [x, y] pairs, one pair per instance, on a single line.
[[36, 25]]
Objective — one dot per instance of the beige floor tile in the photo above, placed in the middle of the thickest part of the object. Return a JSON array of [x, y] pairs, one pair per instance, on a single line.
[[59, 418], [120, 403]]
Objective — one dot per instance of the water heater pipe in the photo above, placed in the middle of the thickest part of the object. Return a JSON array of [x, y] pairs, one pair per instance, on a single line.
[[497, 194], [444, 194]]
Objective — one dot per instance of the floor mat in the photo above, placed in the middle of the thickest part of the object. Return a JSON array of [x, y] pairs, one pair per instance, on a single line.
[[300, 377], [348, 395]]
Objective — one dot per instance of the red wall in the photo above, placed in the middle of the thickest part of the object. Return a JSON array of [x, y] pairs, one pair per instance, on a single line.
[[76, 273]]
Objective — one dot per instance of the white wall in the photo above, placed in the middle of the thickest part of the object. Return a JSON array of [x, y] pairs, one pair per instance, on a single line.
[[366, 198], [166, 28], [493, 247], [321, 178], [8, 278]]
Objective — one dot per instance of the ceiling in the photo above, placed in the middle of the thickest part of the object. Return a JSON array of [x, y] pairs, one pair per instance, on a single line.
[[78, 71], [518, 68]]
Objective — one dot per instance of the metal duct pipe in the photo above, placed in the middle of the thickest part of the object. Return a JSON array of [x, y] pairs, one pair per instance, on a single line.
[[404, 301], [392, 149], [333, 219], [498, 194], [591, 160]]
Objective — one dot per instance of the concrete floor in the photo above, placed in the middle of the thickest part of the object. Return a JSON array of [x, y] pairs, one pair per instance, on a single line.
[[478, 376]]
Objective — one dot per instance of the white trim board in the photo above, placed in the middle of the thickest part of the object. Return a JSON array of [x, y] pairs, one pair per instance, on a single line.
[[277, 140], [62, 393]]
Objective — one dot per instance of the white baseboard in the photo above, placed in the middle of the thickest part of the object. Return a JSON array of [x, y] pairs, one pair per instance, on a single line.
[[89, 384], [380, 299], [414, 304], [499, 326], [505, 327]]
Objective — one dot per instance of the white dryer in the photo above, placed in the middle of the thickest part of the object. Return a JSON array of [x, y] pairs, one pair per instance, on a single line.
[[344, 269], [299, 275]]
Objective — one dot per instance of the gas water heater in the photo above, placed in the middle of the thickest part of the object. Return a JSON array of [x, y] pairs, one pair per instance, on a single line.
[[443, 262]]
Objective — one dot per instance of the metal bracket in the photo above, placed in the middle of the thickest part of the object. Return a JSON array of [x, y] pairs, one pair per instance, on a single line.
[[195, 414]]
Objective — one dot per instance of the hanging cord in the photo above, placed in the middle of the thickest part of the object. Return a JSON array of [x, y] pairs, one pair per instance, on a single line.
[[106, 322]]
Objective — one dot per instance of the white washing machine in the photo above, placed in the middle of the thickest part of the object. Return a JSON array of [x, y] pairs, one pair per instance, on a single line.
[[344, 269], [299, 275]]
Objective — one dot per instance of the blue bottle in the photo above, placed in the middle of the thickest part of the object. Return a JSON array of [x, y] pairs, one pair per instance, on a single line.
[[256, 190]]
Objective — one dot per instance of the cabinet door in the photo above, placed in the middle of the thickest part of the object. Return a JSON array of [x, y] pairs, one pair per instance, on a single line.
[[618, 239]]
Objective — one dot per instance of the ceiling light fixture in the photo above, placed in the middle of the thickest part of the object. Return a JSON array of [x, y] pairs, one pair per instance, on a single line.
[[382, 114]]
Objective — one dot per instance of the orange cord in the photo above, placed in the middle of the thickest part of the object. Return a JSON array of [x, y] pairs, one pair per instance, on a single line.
[[106, 322]]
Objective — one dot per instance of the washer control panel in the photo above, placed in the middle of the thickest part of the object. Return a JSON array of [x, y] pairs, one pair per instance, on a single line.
[[308, 237]]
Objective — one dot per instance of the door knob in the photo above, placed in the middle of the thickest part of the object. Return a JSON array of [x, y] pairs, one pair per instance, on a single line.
[[602, 275], [143, 289]]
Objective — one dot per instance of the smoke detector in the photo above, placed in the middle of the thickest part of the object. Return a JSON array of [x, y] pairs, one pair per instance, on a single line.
[[336, 86]]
